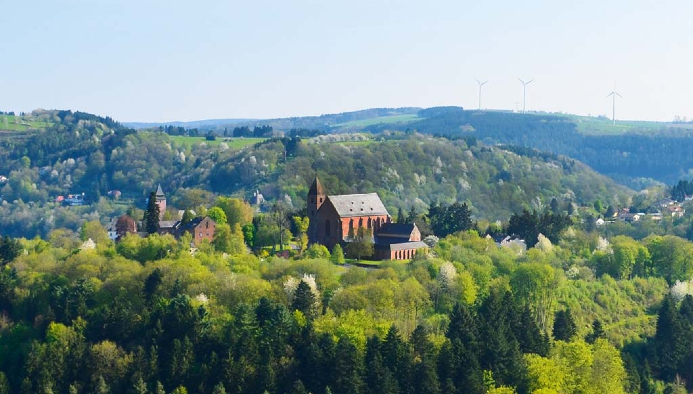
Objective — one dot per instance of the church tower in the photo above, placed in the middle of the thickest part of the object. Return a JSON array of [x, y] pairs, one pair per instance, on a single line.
[[161, 201], [316, 197]]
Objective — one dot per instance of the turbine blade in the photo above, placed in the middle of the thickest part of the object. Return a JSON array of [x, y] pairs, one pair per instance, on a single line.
[[618, 95], [530, 82]]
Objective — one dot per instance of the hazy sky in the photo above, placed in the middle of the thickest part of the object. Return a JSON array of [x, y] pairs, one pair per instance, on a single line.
[[140, 60]]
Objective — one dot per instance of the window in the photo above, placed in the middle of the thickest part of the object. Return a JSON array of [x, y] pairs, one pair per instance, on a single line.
[[320, 199], [327, 228], [370, 223]]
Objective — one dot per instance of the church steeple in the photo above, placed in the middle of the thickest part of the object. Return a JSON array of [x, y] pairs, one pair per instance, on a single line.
[[316, 188], [316, 197]]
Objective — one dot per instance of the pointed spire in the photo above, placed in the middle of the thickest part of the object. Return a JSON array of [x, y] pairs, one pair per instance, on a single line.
[[316, 188], [159, 191]]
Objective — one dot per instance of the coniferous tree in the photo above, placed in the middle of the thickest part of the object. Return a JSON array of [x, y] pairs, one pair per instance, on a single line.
[[463, 326], [397, 357], [152, 283], [304, 300], [597, 332], [555, 208], [564, 328], [401, 218], [633, 379], [151, 215], [348, 369], [669, 339], [425, 375], [378, 377], [468, 377], [529, 335]]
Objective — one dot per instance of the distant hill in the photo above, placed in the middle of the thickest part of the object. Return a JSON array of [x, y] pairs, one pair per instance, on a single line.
[[195, 124], [83, 153], [630, 152]]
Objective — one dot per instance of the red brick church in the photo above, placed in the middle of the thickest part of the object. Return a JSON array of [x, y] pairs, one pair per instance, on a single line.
[[336, 218]]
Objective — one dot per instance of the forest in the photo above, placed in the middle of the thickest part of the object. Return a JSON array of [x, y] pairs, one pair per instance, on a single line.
[[577, 314], [661, 154]]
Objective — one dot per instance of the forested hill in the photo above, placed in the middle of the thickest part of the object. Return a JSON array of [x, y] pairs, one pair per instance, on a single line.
[[662, 154], [414, 171], [81, 153]]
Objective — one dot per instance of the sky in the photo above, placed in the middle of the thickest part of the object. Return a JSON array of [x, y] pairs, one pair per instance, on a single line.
[[146, 60]]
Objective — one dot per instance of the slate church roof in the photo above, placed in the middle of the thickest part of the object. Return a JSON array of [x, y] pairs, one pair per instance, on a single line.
[[348, 205]]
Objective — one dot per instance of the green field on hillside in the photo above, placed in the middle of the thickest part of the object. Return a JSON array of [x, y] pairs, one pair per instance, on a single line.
[[379, 120], [604, 126], [233, 143], [19, 123]]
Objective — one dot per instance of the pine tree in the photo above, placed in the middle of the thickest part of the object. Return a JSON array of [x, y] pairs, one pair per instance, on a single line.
[[529, 335], [597, 332], [669, 339], [397, 357], [151, 215], [468, 374], [219, 389], [425, 377], [101, 386], [152, 283], [304, 300], [555, 208], [463, 326], [401, 218], [632, 375], [379, 378], [564, 328], [348, 369], [139, 387]]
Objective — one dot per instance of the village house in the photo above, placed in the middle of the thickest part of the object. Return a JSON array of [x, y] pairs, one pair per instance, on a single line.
[[335, 219]]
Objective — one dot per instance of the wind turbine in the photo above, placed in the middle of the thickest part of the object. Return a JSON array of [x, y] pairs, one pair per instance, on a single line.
[[524, 93], [613, 95], [480, 85]]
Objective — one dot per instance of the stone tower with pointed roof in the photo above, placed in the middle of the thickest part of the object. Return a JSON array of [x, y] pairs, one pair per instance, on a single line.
[[161, 201], [316, 197]]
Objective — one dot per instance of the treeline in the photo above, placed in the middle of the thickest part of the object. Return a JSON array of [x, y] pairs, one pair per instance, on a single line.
[[682, 190]]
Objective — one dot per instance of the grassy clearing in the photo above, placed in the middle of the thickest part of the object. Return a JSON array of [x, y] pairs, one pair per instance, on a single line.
[[380, 120], [20, 123], [603, 126], [233, 143]]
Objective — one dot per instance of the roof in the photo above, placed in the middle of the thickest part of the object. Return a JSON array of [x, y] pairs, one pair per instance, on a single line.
[[400, 230], [159, 191], [358, 205], [403, 246], [194, 223], [316, 188], [167, 223]]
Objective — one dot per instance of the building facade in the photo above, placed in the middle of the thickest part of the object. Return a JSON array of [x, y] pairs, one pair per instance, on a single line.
[[335, 219]]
